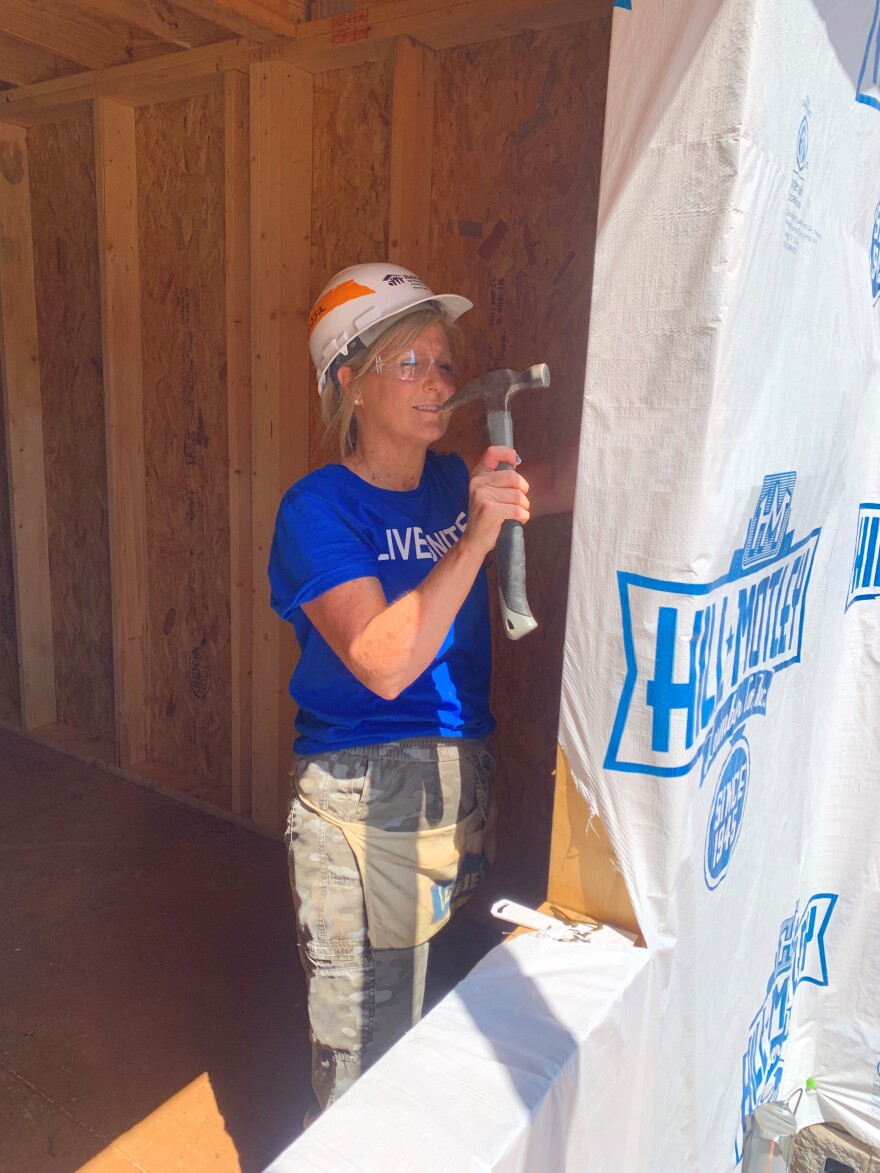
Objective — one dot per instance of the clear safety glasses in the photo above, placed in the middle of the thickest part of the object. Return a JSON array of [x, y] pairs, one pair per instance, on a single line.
[[410, 367]]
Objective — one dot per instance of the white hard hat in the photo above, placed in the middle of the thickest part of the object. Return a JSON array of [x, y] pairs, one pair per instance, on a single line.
[[361, 298]]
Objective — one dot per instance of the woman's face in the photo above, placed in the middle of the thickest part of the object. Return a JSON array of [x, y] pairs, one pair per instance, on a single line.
[[405, 412]]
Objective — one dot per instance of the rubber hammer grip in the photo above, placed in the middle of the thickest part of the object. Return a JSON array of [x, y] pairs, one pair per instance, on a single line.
[[510, 550]]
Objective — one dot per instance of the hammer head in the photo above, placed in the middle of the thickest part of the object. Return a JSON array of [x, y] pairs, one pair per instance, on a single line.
[[497, 388]]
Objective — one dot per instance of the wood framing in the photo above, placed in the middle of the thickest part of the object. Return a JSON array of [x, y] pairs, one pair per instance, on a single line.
[[78, 36], [264, 20], [238, 382], [22, 64], [412, 136], [116, 182], [367, 34], [281, 152], [168, 23], [174, 75], [19, 348], [585, 877]]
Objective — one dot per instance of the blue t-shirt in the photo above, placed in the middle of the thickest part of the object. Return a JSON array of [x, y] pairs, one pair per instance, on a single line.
[[333, 527]]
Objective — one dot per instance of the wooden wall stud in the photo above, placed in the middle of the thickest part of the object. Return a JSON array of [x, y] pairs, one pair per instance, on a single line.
[[19, 349], [584, 876], [281, 176], [238, 383], [412, 133], [116, 182]]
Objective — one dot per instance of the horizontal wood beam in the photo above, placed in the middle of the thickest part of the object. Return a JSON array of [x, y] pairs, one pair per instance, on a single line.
[[23, 64], [368, 32], [262, 20], [22, 403], [166, 22], [174, 75], [66, 31]]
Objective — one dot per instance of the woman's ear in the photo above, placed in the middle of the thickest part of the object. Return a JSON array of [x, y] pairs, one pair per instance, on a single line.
[[345, 375]]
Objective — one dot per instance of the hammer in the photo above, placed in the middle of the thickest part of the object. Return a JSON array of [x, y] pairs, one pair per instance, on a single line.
[[495, 390]]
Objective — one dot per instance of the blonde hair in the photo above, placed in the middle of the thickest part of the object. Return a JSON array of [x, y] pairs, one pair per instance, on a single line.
[[337, 408]]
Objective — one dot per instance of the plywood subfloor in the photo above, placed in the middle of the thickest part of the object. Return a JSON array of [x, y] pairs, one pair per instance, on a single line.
[[153, 1015]]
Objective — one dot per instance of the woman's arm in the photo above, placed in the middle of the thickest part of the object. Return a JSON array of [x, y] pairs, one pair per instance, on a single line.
[[388, 645]]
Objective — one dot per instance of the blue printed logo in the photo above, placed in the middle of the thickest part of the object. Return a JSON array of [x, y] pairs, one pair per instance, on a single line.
[[768, 526], [803, 142], [800, 958], [868, 85], [864, 582], [448, 895], [700, 658], [799, 233], [726, 815], [875, 255]]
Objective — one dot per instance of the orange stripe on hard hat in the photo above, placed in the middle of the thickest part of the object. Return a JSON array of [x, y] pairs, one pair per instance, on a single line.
[[336, 297]]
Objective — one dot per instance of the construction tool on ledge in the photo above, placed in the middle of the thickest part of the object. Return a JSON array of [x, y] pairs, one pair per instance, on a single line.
[[561, 926]]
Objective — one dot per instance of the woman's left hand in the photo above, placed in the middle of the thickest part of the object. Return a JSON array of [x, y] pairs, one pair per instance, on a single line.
[[550, 482], [496, 495]]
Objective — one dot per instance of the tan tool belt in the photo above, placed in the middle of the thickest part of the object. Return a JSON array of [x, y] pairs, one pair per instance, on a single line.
[[414, 880]]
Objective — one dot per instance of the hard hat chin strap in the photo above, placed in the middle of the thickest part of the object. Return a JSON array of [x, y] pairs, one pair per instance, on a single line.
[[350, 351]]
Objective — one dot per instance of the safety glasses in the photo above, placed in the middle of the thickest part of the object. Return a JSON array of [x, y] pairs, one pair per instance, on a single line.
[[408, 366]]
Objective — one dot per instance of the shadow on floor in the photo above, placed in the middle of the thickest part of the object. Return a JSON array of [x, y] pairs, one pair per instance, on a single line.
[[149, 948], [144, 944]]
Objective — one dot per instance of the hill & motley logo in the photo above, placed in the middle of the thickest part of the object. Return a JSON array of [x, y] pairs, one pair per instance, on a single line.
[[701, 657], [864, 582], [800, 959]]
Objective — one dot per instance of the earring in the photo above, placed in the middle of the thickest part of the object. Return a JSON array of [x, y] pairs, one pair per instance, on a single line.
[[357, 399]]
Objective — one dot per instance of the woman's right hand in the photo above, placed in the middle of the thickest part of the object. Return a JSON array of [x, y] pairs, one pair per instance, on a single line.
[[496, 495]]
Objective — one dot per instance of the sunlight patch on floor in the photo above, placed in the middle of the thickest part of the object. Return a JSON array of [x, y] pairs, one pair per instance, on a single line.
[[185, 1134]]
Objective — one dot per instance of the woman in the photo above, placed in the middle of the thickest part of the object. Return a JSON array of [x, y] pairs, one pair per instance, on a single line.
[[378, 563]]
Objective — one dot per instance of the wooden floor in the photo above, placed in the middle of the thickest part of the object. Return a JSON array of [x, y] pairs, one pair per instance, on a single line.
[[153, 1008], [153, 1013]]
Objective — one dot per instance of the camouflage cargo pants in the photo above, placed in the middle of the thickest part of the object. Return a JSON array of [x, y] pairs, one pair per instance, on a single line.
[[361, 998]]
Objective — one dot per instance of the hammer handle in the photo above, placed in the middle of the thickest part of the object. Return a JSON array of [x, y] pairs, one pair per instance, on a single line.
[[510, 550]]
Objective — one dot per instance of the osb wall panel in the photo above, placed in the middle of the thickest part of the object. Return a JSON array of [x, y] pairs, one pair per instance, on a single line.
[[182, 255], [517, 152], [350, 193], [65, 232], [10, 697]]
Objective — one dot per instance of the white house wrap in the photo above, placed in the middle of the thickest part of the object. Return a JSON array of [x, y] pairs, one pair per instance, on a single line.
[[721, 695]]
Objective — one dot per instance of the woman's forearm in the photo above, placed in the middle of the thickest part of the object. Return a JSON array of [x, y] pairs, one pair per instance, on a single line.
[[399, 642]]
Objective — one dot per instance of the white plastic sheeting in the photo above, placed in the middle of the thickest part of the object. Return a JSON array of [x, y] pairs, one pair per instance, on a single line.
[[721, 693], [721, 696], [501, 1074]]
